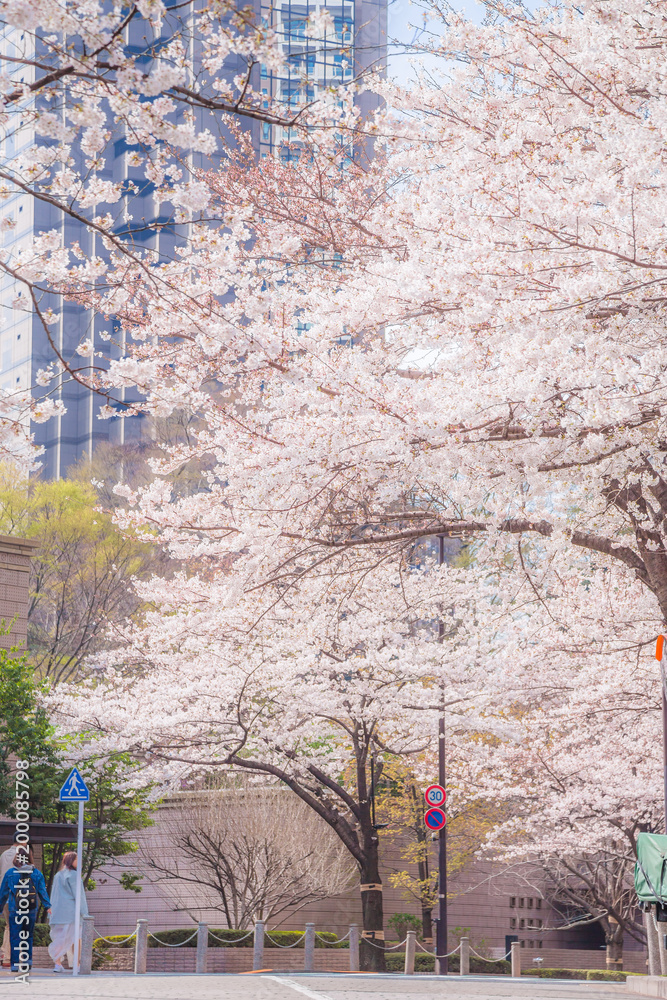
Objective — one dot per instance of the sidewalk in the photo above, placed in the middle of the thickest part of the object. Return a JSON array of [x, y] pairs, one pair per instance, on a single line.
[[295, 986]]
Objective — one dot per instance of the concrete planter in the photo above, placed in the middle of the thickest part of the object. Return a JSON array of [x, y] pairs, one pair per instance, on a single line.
[[648, 986]]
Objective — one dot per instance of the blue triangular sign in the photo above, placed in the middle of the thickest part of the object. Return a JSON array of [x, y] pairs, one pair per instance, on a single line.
[[74, 789]]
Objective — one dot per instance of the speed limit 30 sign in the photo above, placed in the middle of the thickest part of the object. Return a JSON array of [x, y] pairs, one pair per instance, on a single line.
[[435, 795]]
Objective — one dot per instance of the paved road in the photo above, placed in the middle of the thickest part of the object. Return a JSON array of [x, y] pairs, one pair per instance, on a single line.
[[293, 986]]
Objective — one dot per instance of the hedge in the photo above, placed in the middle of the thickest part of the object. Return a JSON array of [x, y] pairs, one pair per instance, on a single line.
[[600, 975], [610, 976], [426, 963], [228, 937]]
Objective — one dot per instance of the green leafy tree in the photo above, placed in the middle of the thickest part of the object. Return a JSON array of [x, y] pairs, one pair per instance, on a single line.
[[116, 806], [26, 733], [80, 578]]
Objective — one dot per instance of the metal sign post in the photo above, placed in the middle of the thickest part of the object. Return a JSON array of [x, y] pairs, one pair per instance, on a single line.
[[442, 930], [76, 790], [442, 934], [659, 655]]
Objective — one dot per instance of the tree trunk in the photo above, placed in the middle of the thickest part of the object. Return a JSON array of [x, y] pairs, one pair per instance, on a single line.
[[371, 946], [427, 924], [614, 942]]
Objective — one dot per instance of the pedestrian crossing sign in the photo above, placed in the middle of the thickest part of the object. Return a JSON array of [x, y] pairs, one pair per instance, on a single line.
[[74, 789]]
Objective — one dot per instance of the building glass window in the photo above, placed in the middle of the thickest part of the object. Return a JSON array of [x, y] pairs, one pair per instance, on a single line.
[[313, 64], [512, 900]]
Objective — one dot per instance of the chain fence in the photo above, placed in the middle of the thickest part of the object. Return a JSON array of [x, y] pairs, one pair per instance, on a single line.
[[164, 944], [180, 944], [427, 952], [276, 944], [286, 946], [330, 941], [101, 937], [381, 947], [227, 943], [483, 959]]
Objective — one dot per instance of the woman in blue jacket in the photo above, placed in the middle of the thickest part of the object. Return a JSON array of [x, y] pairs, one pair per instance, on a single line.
[[22, 887]]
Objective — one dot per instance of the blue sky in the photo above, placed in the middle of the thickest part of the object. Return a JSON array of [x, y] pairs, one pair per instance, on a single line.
[[406, 25]]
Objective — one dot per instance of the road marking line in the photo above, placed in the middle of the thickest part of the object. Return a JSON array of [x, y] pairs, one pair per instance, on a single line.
[[299, 988]]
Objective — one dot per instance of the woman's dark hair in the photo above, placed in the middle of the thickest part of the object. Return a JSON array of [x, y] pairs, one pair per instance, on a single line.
[[23, 856], [68, 860]]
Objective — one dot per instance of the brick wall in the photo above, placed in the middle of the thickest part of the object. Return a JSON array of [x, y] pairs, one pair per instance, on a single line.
[[229, 960], [15, 556]]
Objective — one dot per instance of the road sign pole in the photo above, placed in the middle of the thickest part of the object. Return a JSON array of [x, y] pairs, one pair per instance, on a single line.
[[75, 790], [664, 744], [441, 933], [660, 656], [77, 903], [441, 936]]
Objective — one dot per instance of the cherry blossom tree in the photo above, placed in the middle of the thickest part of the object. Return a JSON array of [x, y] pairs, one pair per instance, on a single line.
[[109, 113], [301, 695], [580, 775], [381, 356], [580, 779], [462, 337], [539, 678]]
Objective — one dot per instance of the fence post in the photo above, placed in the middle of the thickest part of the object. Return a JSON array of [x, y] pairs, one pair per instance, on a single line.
[[258, 949], [87, 938], [202, 948], [309, 948], [354, 947], [410, 945], [515, 957], [464, 957], [661, 947], [652, 944], [141, 946]]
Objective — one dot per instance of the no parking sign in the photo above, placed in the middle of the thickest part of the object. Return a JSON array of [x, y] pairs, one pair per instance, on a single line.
[[435, 818]]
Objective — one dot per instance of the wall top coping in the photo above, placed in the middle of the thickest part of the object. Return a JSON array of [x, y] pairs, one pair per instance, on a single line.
[[18, 546]]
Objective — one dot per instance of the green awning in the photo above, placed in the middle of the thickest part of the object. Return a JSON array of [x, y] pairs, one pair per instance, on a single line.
[[651, 868]]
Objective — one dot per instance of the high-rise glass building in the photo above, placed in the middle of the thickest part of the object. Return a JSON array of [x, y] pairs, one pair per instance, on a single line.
[[356, 44]]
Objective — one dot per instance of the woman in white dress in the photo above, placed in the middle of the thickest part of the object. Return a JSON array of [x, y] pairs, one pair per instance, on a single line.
[[63, 910]]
